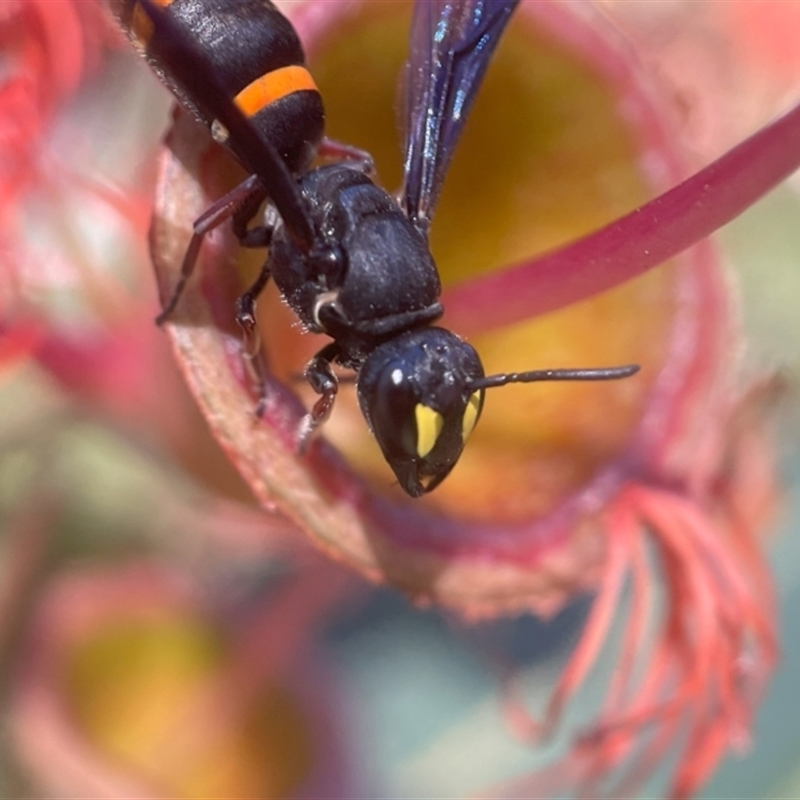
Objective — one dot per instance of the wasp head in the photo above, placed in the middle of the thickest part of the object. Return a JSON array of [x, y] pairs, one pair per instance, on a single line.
[[414, 391]]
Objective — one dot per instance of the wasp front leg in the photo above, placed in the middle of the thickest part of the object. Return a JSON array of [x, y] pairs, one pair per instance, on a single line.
[[319, 373], [259, 235], [251, 340]]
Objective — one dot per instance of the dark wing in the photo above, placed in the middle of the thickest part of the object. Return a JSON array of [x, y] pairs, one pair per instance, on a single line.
[[451, 44], [190, 70]]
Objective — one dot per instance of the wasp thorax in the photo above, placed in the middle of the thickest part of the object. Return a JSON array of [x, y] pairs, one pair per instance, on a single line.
[[415, 392]]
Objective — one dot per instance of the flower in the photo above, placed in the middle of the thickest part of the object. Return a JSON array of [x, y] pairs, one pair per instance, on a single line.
[[44, 56], [562, 489], [136, 681], [559, 488]]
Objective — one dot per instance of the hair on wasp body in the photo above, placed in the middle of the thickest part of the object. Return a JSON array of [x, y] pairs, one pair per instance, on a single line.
[[351, 261]]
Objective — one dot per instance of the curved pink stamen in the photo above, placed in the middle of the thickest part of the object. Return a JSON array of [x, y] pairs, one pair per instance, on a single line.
[[688, 693], [633, 244]]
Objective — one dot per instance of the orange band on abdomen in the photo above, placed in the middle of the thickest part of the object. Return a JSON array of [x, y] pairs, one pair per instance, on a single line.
[[273, 86]]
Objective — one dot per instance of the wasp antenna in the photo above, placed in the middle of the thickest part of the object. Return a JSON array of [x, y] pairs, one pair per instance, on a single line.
[[196, 77], [600, 374]]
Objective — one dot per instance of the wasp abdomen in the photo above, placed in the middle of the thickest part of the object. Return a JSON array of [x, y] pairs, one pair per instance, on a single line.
[[257, 59]]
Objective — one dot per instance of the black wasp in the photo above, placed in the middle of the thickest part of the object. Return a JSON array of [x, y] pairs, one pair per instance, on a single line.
[[350, 261]]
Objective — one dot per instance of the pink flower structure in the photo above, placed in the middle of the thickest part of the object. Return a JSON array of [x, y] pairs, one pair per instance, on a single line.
[[662, 483], [43, 60], [47, 50], [135, 682], [742, 50], [50, 51], [74, 208], [562, 489]]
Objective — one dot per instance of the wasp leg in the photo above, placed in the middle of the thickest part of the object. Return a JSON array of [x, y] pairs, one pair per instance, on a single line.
[[246, 304], [260, 235], [251, 341], [246, 197], [352, 157], [319, 373]]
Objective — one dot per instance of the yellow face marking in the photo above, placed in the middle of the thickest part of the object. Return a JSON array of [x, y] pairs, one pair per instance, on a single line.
[[273, 86], [471, 414], [429, 426]]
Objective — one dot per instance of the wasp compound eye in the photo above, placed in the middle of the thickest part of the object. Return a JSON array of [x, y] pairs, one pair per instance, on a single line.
[[391, 401]]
